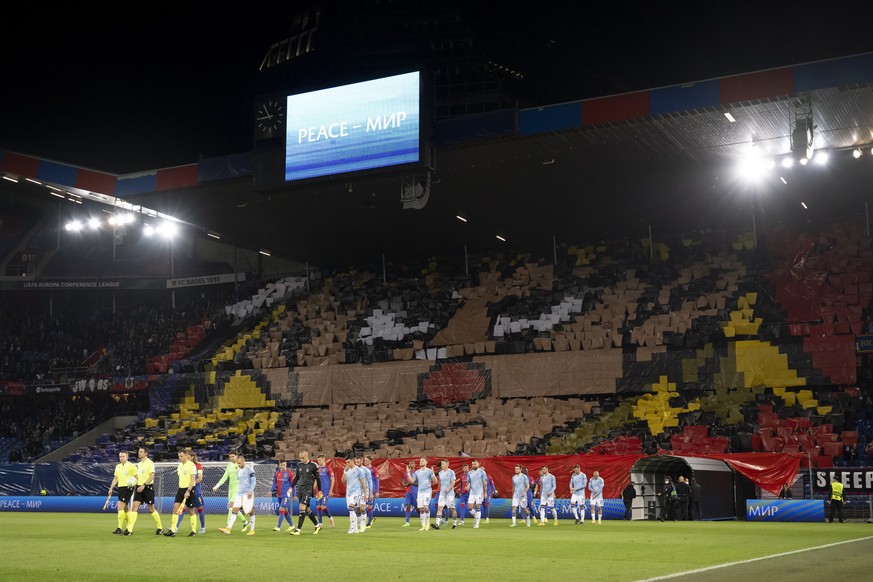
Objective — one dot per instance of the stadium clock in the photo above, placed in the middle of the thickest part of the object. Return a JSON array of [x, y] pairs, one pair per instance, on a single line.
[[269, 118]]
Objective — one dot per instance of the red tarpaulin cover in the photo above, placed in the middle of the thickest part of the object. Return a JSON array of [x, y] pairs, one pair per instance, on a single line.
[[768, 470]]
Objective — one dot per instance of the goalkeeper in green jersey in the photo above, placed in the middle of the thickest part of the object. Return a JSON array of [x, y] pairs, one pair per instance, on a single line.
[[230, 475]]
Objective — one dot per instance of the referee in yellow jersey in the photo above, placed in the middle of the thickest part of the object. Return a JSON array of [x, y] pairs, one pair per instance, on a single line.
[[187, 472], [145, 492], [124, 470]]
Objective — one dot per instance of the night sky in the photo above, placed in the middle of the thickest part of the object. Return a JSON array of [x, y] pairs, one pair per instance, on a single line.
[[137, 88]]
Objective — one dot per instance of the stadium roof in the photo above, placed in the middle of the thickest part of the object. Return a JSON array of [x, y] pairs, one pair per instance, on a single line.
[[573, 172], [580, 171]]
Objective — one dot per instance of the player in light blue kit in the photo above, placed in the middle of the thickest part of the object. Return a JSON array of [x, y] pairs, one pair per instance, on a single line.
[[520, 488], [595, 485], [245, 498], [578, 482], [547, 496], [356, 483], [478, 485], [367, 495], [447, 494], [425, 479]]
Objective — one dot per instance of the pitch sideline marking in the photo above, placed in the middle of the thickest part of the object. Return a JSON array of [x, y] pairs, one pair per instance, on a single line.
[[749, 561]]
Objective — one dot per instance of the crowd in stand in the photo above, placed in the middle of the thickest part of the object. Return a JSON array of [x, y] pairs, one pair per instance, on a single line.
[[41, 348], [32, 346], [36, 346], [32, 426], [148, 330]]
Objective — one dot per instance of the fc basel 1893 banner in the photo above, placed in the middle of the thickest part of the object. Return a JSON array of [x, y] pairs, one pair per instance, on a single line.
[[855, 481]]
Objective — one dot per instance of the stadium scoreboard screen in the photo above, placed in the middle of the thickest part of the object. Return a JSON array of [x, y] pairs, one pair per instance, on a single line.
[[341, 131], [355, 127]]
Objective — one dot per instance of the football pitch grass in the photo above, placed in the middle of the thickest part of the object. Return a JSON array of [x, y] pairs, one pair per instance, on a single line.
[[72, 547]]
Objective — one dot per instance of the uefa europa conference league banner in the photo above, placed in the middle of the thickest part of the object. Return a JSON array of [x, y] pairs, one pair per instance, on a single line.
[[389, 507], [855, 481]]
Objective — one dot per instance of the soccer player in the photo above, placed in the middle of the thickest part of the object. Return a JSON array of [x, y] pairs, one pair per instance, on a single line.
[[520, 493], [478, 483], [245, 498], [578, 483], [365, 499], [325, 489], [197, 494], [306, 481], [374, 492], [145, 491], [490, 491], [547, 495], [187, 473], [425, 479], [281, 488], [124, 471], [595, 485], [533, 493], [411, 491], [446, 498], [463, 491], [230, 475], [356, 483]]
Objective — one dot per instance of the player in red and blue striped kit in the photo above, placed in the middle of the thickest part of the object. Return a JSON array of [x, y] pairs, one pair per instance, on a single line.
[[463, 491], [325, 489], [281, 488], [373, 494], [411, 498], [490, 491], [534, 490]]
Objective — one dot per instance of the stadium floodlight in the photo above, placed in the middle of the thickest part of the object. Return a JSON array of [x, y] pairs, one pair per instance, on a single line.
[[73, 226], [148, 230], [752, 168], [787, 162], [94, 223], [856, 153], [821, 159], [167, 230], [120, 219], [803, 161]]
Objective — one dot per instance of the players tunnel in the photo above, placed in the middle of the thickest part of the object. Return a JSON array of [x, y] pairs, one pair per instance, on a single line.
[[717, 480]]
